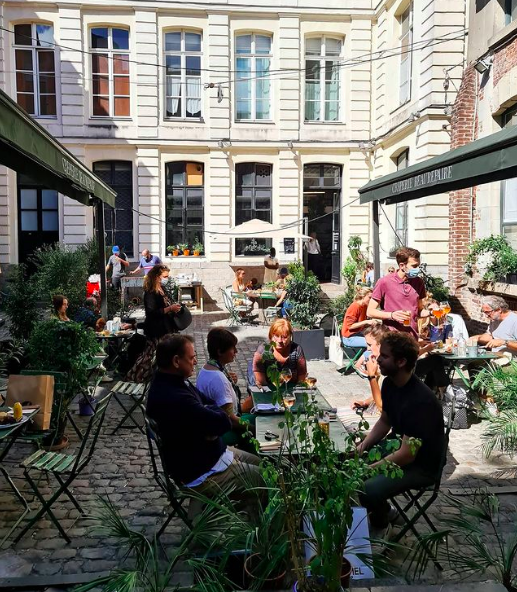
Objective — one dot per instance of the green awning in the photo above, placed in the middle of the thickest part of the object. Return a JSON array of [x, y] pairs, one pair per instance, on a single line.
[[27, 147], [488, 159]]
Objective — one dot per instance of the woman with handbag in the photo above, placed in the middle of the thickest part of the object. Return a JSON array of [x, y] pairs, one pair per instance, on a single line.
[[159, 320]]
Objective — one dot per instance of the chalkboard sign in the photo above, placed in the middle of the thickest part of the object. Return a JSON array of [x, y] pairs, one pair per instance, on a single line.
[[289, 245]]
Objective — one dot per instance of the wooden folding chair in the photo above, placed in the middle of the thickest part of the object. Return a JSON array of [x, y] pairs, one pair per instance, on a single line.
[[64, 468]]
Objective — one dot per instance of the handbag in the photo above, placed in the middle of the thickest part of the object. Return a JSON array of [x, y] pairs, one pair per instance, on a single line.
[[456, 401], [182, 319], [35, 390], [335, 349]]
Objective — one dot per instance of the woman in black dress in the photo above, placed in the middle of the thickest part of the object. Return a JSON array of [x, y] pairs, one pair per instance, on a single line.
[[158, 309]]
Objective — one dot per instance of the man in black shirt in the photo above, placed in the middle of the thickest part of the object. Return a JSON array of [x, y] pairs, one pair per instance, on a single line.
[[190, 426], [410, 412]]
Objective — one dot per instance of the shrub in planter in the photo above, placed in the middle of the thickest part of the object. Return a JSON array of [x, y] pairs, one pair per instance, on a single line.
[[21, 303], [303, 289], [66, 347], [492, 257]]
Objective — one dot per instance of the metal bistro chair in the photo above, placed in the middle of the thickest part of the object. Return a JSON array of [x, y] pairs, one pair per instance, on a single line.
[[235, 310], [65, 468], [413, 500], [350, 354], [166, 484], [137, 393]]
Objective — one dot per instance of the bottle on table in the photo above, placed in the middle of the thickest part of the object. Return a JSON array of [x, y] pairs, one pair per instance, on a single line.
[[462, 347]]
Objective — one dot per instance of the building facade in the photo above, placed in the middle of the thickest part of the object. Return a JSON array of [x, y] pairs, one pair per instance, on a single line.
[[204, 115], [486, 103]]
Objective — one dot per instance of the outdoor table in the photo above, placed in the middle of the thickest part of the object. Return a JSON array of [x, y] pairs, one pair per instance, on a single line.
[[454, 361], [115, 344], [261, 397], [8, 437]]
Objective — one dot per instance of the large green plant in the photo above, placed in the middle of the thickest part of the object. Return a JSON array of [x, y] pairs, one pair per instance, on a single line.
[[473, 540], [67, 347], [21, 302], [492, 257], [62, 270], [303, 290], [353, 268]]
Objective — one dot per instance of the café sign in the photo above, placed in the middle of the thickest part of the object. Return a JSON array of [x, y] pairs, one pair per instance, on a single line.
[[76, 174], [423, 180]]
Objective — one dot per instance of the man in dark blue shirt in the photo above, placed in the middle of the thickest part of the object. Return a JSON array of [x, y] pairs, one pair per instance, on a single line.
[[411, 412], [191, 427]]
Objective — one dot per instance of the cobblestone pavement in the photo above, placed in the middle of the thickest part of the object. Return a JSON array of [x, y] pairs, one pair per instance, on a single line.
[[120, 469]]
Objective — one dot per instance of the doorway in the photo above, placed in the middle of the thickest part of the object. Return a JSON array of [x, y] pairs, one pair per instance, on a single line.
[[321, 207], [38, 217]]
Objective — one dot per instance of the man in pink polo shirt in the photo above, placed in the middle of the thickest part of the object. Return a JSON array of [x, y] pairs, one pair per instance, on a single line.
[[398, 298]]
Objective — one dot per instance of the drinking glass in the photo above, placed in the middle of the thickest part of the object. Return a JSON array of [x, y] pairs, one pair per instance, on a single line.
[[324, 423], [289, 400], [446, 307], [407, 322], [311, 382], [285, 375]]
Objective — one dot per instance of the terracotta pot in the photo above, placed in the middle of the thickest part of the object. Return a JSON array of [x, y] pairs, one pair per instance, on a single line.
[[271, 583], [175, 253], [186, 252], [196, 253]]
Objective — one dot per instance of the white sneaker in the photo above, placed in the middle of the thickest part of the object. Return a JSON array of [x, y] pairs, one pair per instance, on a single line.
[[106, 378]]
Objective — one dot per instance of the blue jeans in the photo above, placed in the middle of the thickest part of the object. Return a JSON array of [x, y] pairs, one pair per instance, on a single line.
[[354, 341]]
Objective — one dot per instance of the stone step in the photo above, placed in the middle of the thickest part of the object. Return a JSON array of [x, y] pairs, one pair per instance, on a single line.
[[488, 586]]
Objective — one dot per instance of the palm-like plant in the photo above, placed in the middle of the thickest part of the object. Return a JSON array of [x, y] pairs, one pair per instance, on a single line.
[[473, 542], [501, 433]]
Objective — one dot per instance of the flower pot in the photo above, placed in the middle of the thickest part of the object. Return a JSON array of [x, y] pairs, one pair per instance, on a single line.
[[196, 253], [270, 583], [59, 444], [186, 252], [175, 253], [297, 589], [87, 406]]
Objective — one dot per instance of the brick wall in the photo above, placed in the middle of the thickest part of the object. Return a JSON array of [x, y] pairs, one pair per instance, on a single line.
[[504, 60], [462, 202]]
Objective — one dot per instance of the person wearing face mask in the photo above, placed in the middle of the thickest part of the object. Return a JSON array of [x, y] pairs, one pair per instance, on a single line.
[[501, 333], [398, 299]]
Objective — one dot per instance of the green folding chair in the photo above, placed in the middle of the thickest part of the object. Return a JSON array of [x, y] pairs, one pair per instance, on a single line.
[[65, 468], [350, 354], [136, 393]]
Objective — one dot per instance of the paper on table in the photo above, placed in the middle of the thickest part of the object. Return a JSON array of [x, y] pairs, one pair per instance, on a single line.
[[266, 407], [275, 445]]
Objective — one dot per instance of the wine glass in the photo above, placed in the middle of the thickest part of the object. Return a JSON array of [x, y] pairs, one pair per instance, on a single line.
[[285, 376], [446, 307], [289, 399]]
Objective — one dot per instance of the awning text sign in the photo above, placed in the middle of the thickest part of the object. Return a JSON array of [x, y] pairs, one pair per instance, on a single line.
[[74, 172], [428, 178]]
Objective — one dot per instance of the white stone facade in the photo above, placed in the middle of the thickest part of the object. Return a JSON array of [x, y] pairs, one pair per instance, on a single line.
[[368, 109]]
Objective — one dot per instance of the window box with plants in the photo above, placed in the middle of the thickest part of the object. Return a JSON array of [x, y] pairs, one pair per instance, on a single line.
[[173, 250], [492, 259]]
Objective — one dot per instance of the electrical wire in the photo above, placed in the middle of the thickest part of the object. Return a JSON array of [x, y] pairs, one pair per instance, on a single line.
[[364, 58]]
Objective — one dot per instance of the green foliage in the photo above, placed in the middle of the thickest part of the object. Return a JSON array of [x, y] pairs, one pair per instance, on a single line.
[[61, 270], [303, 289], [434, 284], [183, 246], [21, 302], [10, 352], [337, 306], [198, 245], [91, 251], [473, 541], [63, 347], [492, 257], [353, 268], [170, 287]]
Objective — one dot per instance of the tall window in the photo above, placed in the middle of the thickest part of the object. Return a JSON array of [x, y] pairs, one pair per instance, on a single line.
[[110, 72], [322, 78], [253, 197], [510, 11], [509, 190], [401, 209], [118, 220], [183, 75], [184, 190], [406, 39], [253, 87], [34, 56]]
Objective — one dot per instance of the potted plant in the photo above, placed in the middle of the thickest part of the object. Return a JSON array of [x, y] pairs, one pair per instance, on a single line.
[[183, 247], [303, 291], [492, 258], [197, 247], [173, 250], [57, 346]]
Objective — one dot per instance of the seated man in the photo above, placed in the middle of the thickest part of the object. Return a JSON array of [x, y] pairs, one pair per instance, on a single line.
[[191, 426], [501, 333], [409, 410], [86, 315]]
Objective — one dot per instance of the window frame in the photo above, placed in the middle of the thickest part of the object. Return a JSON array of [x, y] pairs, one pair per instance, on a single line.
[[35, 50], [109, 211], [253, 56], [184, 207], [183, 53], [510, 6], [406, 61], [508, 119], [322, 58], [111, 53], [254, 187], [401, 208]]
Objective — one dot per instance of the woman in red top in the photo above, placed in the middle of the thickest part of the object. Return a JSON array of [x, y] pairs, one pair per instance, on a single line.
[[355, 319]]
